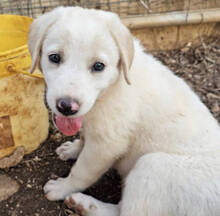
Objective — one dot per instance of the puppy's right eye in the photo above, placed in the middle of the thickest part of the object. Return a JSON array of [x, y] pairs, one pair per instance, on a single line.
[[55, 58], [98, 67]]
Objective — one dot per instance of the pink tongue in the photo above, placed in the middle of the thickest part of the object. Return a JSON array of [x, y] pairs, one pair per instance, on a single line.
[[69, 126]]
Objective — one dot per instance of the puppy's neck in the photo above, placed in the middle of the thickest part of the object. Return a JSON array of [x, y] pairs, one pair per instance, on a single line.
[[109, 99]]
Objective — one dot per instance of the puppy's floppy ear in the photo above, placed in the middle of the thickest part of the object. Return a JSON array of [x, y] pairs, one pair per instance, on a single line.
[[37, 34], [124, 41]]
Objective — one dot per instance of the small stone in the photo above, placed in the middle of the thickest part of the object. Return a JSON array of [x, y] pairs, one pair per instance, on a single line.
[[14, 213], [217, 81], [36, 158], [198, 77], [215, 108], [212, 96], [13, 159], [29, 186], [53, 176], [58, 137], [185, 49], [189, 44], [172, 61], [8, 187], [189, 75]]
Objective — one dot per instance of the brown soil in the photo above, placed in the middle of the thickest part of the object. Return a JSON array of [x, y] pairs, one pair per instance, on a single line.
[[199, 66]]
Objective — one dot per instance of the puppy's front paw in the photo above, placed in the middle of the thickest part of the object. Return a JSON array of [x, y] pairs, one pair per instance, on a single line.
[[58, 189], [69, 150]]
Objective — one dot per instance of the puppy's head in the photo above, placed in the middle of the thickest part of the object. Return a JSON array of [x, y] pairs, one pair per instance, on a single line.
[[81, 52]]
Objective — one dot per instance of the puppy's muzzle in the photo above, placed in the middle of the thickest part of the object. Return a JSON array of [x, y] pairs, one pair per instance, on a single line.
[[67, 106]]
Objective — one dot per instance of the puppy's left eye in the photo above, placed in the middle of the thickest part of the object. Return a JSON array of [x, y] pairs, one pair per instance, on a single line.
[[98, 67], [55, 58]]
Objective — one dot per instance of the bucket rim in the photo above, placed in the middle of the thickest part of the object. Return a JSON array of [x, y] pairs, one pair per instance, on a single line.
[[16, 16], [20, 50], [13, 53]]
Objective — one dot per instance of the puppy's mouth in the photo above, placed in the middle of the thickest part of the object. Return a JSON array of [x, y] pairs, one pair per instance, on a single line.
[[68, 126]]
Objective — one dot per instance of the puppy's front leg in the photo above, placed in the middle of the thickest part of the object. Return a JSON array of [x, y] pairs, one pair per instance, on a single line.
[[94, 160]]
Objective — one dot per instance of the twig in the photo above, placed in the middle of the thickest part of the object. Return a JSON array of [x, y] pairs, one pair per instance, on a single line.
[[146, 6]]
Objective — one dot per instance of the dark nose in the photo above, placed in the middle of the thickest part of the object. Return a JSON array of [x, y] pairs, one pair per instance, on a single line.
[[67, 106]]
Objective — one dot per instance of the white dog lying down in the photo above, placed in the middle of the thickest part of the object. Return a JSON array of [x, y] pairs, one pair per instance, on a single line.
[[150, 126]]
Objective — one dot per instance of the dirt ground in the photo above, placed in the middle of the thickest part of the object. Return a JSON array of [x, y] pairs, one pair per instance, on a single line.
[[199, 66]]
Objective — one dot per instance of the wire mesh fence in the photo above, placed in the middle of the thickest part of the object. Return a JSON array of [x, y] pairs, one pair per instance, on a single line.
[[124, 8]]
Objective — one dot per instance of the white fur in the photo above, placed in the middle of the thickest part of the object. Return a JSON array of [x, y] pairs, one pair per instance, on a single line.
[[69, 150], [156, 132]]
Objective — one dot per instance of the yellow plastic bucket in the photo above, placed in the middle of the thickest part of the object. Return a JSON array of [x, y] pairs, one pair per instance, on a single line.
[[14, 55], [23, 116]]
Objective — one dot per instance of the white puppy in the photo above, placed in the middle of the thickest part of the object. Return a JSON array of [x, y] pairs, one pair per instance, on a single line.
[[150, 126]]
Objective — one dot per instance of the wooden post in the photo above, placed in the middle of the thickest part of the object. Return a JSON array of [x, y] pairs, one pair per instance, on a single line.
[[173, 18]]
